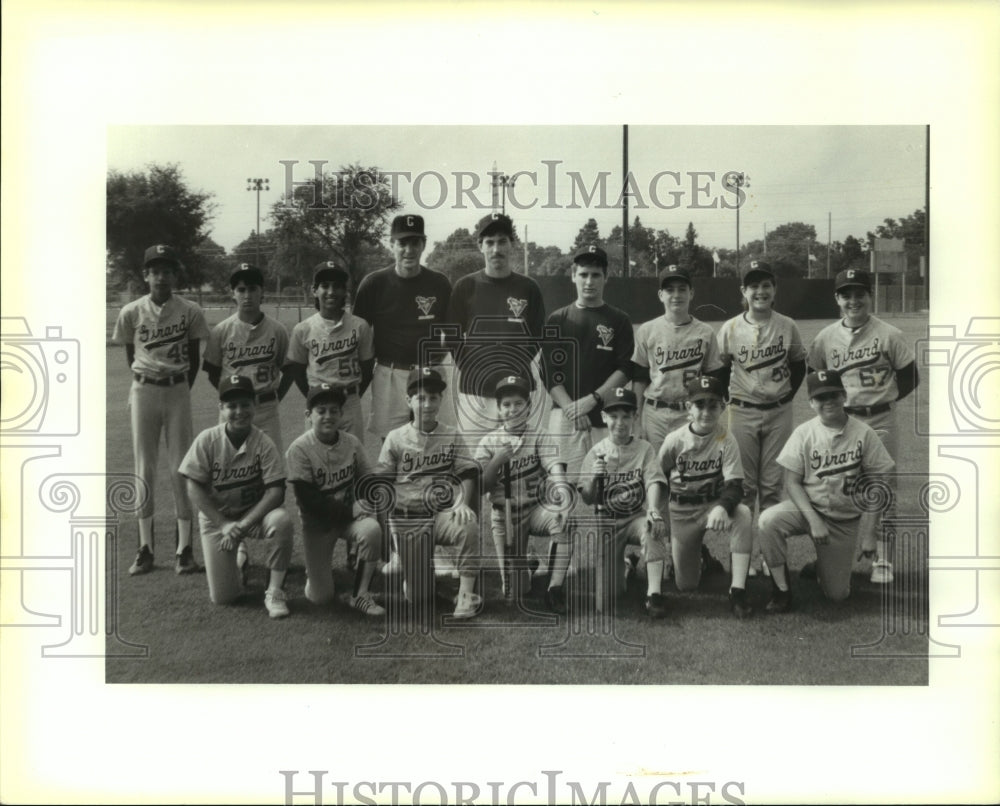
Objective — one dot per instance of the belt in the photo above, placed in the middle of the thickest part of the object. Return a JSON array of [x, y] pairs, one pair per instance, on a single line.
[[395, 364], [411, 513], [746, 404], [171, 381], [660, 404], [868, 411], [677, 498], [267, 397]]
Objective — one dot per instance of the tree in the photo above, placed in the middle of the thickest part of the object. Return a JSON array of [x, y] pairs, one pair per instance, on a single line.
[[912, 229], [214, 264], [788, 249], [694, 258], [456, 256], [587, 236], [150, 207]]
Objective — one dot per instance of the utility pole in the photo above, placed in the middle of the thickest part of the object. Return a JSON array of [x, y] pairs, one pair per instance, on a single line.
[[526, 272], [625, 266], [257, 185]]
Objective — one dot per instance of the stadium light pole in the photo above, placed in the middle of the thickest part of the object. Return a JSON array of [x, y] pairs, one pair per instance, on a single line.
[[257, 185], [735, 181]]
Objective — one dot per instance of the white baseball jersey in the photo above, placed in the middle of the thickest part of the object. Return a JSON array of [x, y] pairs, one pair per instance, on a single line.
[[631, 469], [698, 465], [332, 351], [419, 460], [236, 477], [534, 456], [160, 334], [759, 355], [256, 351], [674, 354], [866, 358], [830, 461], [333, 469]]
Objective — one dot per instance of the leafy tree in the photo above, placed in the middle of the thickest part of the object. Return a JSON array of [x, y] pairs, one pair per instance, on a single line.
[[587, 236], [149, 207], [694, 258], [456, 256], [911, 229], [215, 265]]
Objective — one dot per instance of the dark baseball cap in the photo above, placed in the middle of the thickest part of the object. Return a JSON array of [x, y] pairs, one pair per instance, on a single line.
[[245, 273], [495, 223], [407, 226], [823, 380], [325, 393], [513, 382], [621, 398], [592, 254], [161, 251], [426, 377], [673, 272], [757, 270], [329, 271], [849, 277], [235, 386], [703, 387]]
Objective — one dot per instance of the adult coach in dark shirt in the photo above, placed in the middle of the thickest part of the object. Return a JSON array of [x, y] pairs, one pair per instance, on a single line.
[[580, 381], [402, 303]]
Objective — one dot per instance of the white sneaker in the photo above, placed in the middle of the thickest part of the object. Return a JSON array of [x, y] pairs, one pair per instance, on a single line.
[[468, 605], [275, 601], [882, 572], [364, 603]]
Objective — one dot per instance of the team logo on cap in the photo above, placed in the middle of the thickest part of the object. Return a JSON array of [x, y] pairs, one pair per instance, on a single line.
[[325, 386], [234, 378], [754, 264], [244, 266], [672, 267], [704, 383], [331, 265], [592, 249], [425, 304], [821, 374], [409, 221], [495, 216], [426, 370], [513, 379], [619, 392], [850, 276], [516, 306], [606, 334]]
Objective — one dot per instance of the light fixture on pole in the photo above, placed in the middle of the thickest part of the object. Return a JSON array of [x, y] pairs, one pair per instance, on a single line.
[[735, 181], [257, 185]]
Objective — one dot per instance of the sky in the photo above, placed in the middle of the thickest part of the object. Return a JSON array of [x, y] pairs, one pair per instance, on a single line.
[[848, 177]]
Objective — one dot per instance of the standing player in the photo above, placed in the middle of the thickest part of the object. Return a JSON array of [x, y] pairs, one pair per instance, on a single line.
[[251, 344], [763, 352], [401, 303], [333, 346], [823, 459], [877, 368], [633, 486], [702, 464], [604, 340], [161, 333], [237, 481]]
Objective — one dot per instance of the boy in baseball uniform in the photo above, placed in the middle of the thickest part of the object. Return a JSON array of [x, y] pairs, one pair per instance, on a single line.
[[877, 367], [333, 346], [701, 461], [161, 333], [252, 344], [436, 486], [524, 461], [823, 459], [324, 466], [633, 484], [236, 479]]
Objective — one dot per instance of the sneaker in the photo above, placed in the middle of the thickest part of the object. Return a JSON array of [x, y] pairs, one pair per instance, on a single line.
[[243, 562], [555, 600], [468, 605], [275, 601], [364, 603], [738, 603], [184, 562], [394, 566], [656, 605], [781, 601], [809, 571], [709, 565], [882, 572], [143, 562]]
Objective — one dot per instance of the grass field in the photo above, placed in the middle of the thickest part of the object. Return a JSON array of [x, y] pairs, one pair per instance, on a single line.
[[192, 641]]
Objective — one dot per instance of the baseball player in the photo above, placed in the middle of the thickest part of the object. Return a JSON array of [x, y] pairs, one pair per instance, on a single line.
[[324, 467], [705, 478], [333, 346], [401, 303], [823, 459], [633, 486], [252, 344], [161, 333], [605, 343], [766, 363], [236, 479], [531, 460], [877, 368], [425, 460]]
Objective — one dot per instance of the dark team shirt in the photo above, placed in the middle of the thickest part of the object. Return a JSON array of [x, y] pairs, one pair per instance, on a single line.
[[499, 323], [402, 311], [603, 341]]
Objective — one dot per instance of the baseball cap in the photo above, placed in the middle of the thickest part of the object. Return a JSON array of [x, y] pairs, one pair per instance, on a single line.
[[245, 273], [329, 271], [823, 380], [621, 399], [515, 382], [703, 387], [849, 277], [426, 377], [161, 251], [758, 269], [235, 386], [592, 254], [404, 226], [495, 223], [324, 391], [673, 272]]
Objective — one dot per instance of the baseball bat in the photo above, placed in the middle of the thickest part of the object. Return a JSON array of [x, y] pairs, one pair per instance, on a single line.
[[509, 526], [599, 549]]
